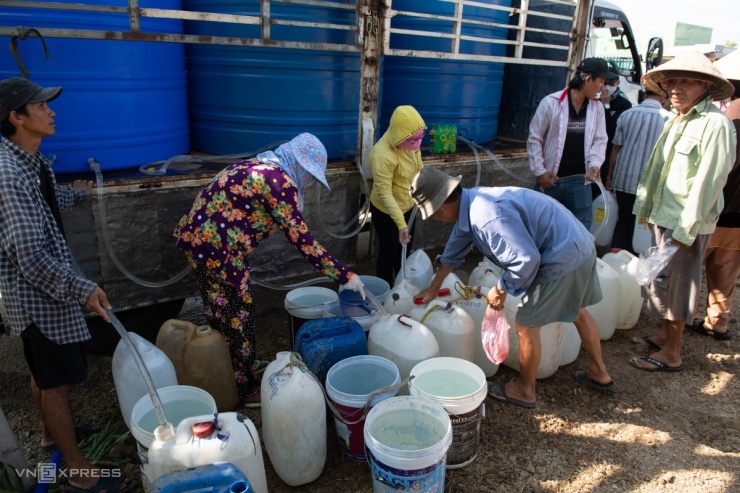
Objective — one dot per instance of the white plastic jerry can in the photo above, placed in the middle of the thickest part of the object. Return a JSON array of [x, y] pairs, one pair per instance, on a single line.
[[402, 340], [452, 328], [630, 298], [417, 269], [200, 440], [486, 273], [604, 218], [605, 311], [641, 237], [400, 299], [293, 420], [475, 306]]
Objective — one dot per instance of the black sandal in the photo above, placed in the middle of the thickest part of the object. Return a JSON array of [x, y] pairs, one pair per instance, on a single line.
[[701, 328]]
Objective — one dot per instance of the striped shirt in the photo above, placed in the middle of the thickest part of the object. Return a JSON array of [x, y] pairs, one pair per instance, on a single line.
[[637, 132], [37, 281]]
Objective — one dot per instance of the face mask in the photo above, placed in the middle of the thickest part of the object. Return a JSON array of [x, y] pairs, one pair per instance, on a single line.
[[610, 89], [413, 142]]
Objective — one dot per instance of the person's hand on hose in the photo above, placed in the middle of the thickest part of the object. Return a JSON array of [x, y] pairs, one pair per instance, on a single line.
[[355, 284], [403, 236]]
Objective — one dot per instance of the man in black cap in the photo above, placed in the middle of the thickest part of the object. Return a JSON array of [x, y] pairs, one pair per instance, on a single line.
[[567, 139], [41, 290]]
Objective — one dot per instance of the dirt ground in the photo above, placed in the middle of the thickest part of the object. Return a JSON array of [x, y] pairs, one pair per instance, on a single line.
[[658, 432]]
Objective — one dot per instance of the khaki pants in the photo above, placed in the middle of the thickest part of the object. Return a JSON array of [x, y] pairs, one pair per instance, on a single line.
[[722, 266]]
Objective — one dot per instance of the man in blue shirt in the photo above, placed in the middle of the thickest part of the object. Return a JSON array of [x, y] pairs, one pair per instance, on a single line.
[[547, 255]]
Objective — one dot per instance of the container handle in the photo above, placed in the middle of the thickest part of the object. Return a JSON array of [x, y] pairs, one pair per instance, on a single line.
[[370, 398], [402, 322]]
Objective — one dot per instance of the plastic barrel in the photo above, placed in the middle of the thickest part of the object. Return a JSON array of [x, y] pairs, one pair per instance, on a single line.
[[123, 103], [246, 99], [465, 93]]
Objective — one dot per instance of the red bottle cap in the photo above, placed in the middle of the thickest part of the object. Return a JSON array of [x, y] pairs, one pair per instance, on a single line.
[[443, 292], [419, 301], [203, 430]]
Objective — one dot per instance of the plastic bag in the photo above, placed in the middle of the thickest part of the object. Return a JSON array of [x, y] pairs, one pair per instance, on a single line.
[[495, 334], [652, 261]]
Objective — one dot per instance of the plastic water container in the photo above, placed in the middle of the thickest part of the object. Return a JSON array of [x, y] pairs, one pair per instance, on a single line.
[[407, 440], [349, 384], [630, 298], [376, 286], [460, 387], [402, 340], [325, 341], [452, 328], [486, 273], [202, 440], [475, 306], [552, 338], [293, 421], [222, 477], [305, 304], [641, 237], [179, 402], [366, 321], [452, 283], [354, 305], [127, 377], [418, 270], [571, 345], [605, 311], [400, 300], [201, 359], [604, 214]]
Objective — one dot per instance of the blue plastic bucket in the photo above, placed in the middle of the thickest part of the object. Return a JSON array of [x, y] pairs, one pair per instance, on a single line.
[[462, 92], [407, 439], [354, 305], [123, 103], [349, 384]]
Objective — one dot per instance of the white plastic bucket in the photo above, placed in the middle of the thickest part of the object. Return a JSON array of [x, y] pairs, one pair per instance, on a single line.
[[179, 402], [349, 384], [407, 440], [306, 303], [460, 387]]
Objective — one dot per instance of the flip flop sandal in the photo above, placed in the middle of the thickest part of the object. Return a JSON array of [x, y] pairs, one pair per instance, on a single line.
[[659, 366], [647, 342], [497, 391], [705, 331], [108, 484], [582, 378]]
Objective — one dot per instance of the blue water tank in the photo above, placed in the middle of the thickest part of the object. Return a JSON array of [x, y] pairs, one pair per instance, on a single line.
[[246, 99], [123, 102], [465, 93]]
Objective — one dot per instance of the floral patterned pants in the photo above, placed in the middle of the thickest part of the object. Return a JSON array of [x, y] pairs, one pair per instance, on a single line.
[[229, 313]]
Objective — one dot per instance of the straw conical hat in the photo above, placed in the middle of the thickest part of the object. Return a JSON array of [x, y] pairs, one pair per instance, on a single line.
[[689, 66], [729, 65]]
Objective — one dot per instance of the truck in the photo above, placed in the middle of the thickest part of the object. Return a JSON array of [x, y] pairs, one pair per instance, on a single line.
[[122, 239]]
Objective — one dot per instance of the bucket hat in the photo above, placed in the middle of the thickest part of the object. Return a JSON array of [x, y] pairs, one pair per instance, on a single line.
[[430, 188], [16, 92], [689, 66], [597, 66]]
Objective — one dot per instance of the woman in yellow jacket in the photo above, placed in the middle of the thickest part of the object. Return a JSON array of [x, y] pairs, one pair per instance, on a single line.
[[394, 160]]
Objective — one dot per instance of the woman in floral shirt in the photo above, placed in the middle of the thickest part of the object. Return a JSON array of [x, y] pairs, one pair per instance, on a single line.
[[245, 203]]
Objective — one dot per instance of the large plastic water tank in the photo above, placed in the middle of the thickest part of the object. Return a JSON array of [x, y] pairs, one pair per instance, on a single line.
[[245, 99], [123, 102], [466, 93]]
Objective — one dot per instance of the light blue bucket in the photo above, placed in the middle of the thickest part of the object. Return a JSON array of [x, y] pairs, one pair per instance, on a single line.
[[407, 440]]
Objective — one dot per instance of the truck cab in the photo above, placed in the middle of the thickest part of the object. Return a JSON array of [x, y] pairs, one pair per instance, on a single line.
[[611, 38]]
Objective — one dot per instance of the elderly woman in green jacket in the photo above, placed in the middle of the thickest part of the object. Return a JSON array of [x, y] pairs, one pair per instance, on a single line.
[[395, 160]]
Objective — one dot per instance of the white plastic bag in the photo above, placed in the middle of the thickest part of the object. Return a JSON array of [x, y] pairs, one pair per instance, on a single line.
[[653, 260], [495, 334]]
